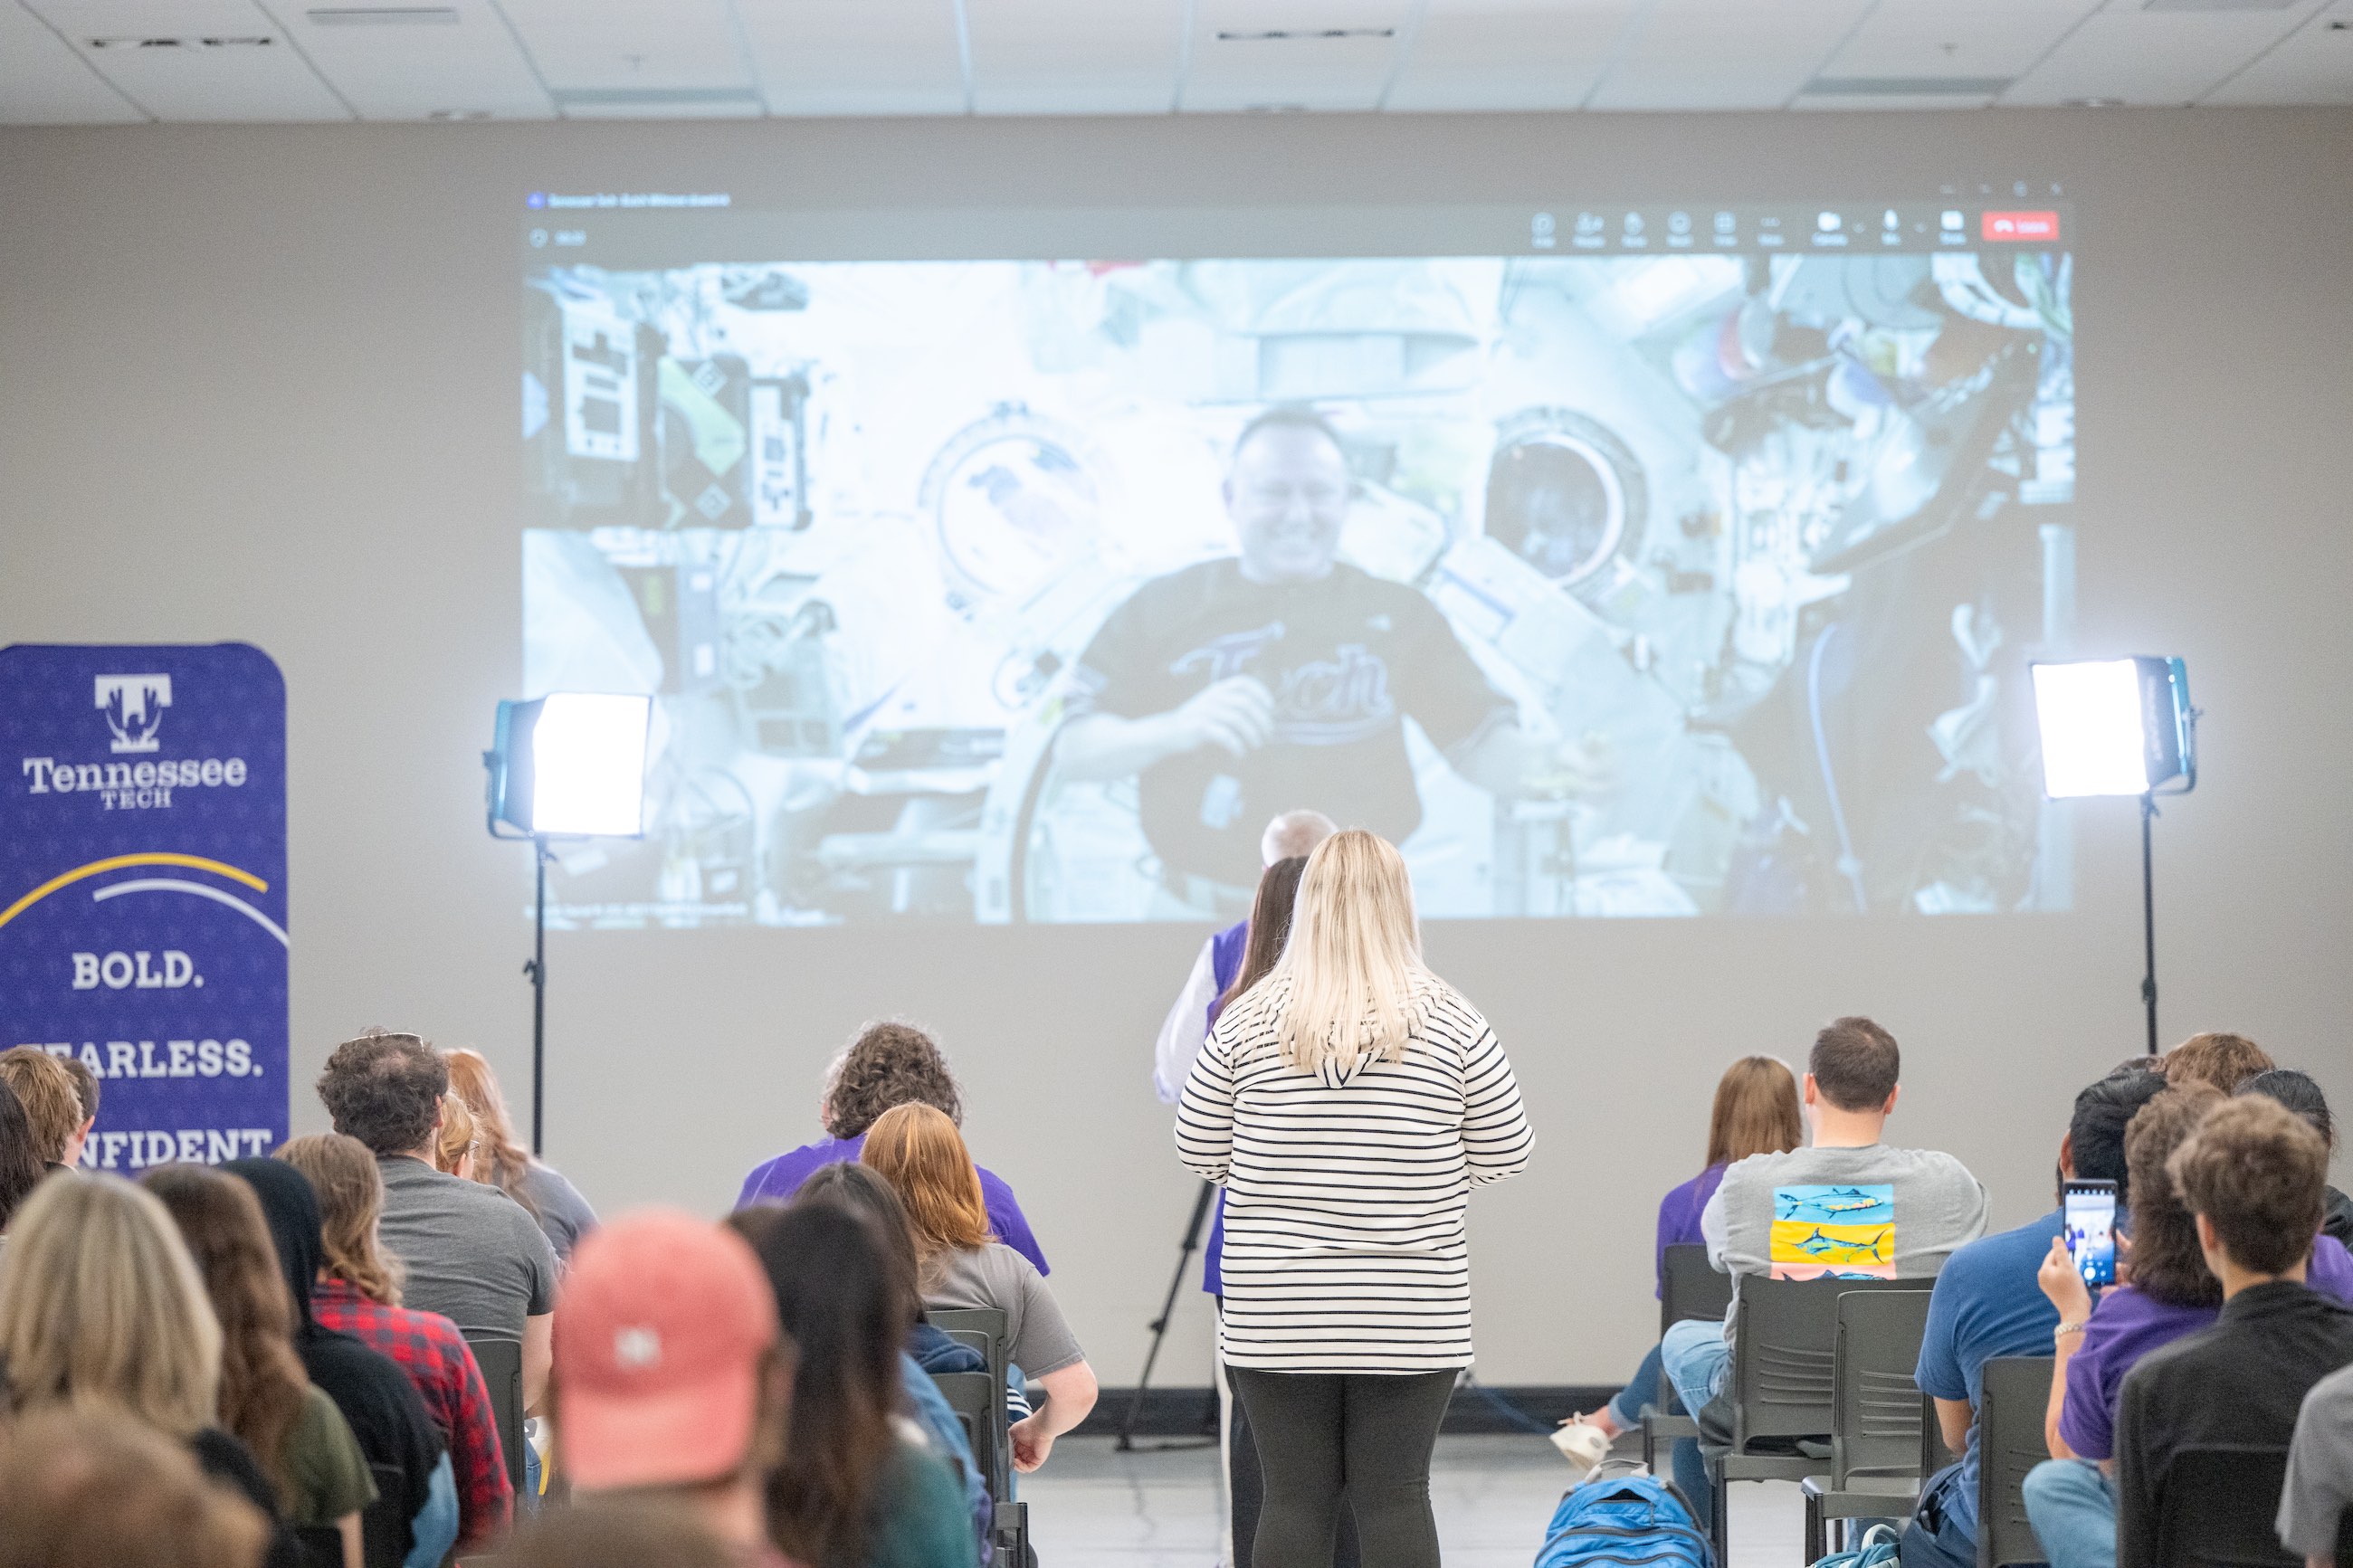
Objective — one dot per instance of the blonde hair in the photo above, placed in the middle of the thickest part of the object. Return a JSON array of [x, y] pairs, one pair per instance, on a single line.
[[916, 1149], [1354, 958], [1755, 1111], [457, 1141], [350, 1186], [502, 1161], [102, 1306]]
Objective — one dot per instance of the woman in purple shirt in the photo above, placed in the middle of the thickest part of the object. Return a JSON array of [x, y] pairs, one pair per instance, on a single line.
[[1756, 1112], [887, 1065]]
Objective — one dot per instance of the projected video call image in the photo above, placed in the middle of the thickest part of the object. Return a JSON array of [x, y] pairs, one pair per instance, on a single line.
[[1029, 591]]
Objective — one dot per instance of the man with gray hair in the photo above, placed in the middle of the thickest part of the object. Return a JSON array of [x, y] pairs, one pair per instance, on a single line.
[[1294, 833]]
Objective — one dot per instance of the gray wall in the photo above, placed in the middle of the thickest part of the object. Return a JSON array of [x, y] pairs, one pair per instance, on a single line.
[[259, 384]]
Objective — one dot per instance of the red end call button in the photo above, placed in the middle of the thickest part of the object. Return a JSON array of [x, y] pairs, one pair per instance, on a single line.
[[2021, 226]]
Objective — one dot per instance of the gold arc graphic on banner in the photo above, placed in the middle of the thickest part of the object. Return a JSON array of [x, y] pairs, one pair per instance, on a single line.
[[117, 862]]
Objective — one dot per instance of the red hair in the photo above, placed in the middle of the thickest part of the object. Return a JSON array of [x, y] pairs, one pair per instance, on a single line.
[[916, 1149]]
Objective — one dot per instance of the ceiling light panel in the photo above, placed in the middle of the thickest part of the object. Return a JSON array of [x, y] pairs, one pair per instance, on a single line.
[[392, 68], [1724, 54], [1075, 56], [2312, 64], [857, 56], [216, 60], [1956, 38], [1471, 55], [44, 82], [622, 46], [2140, 57], [1337, 54]]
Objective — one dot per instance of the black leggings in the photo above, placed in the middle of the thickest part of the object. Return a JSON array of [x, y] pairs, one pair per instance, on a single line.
[[1368, 1435]]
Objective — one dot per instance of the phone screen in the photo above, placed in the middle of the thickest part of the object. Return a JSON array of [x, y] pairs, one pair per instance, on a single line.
[[2091, 1230]]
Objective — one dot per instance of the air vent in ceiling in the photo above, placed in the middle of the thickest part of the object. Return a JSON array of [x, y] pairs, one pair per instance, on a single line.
[[1300, 35], [1907, 86], [2218, 4], [655, 96], [383, 15], [455, 116], [132, 41]]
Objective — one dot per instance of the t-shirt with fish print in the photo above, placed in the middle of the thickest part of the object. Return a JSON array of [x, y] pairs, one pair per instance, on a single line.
[[1873, 1213]]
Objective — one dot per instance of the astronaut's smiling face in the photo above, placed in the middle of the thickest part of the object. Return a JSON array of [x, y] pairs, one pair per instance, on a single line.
[[1287, 494]]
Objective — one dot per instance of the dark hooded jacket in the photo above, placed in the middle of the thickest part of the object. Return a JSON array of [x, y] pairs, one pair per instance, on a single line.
[[387, 1418]]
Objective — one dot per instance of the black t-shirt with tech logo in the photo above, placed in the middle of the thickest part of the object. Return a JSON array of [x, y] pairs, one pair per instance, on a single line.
[[1345, 657]]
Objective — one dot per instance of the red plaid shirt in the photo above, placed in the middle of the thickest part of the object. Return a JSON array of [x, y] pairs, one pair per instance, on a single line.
[[441, 1364]]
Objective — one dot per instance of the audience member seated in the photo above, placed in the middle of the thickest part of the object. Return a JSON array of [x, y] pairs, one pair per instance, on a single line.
[[2299, 1093], [21, 1167], [502, 1161], [919, 1151], [101, 1305], [267, 1400], [2218, 1060], [2252, 1174], [620, 1534], [1986, 1304], [1927, 1202], [51, 1103], [358, 1293], [670, 1378], [888, 1065], [471, 1253], [96, 1488], [2318, 1497], [1756, 1112], [856, 1488], [86, 1090], [396, 1429], [929, 1350], [2168, 1293], [455, 1141]]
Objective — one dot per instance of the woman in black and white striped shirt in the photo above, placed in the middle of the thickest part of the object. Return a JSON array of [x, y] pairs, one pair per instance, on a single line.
[[1348, 1103]]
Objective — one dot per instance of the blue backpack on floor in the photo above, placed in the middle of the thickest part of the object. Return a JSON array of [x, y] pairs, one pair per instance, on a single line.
[[1624, 1520]]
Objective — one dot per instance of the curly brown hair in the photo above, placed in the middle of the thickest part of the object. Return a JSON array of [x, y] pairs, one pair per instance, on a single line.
[[2167, 1261], [889, 1064], [2224, 1060]]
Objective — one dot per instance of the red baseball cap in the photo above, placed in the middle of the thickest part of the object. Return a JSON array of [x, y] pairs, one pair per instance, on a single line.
[[659, 1335]]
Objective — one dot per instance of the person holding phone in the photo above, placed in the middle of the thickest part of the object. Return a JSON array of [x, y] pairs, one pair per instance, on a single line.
[[2091, 1235]]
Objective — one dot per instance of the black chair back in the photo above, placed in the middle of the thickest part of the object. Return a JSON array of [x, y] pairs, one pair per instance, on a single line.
[[978, 1401], [2014, 1397], [502, 1364], [384, 1535], [2216, 1508], [958, 1322], [1689, 1287], [1875, 1408], [1782, 1357]]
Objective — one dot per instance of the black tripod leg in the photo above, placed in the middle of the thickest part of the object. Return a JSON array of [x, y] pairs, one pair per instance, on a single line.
[[1159, 1325]]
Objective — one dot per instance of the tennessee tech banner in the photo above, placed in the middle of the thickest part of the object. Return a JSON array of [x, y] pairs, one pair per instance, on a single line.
[[142, 889]]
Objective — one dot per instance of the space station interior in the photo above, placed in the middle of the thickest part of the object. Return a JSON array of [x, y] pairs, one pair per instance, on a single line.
[[1775, 534]]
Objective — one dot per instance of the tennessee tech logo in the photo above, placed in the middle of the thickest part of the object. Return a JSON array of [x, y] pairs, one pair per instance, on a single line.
[[133, 706]]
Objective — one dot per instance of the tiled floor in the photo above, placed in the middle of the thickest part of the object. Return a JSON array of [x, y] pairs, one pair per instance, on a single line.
[[1092, 1505]]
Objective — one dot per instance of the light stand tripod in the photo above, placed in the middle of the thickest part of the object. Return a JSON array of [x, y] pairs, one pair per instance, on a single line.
[[2148, 916], [1159, 1329], [536, 970]]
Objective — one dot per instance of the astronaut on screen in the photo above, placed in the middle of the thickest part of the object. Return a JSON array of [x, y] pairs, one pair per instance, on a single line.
[[1244, 686]]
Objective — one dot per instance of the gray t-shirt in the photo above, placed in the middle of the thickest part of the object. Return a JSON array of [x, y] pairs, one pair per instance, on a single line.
[[1040, 1341], [473, 1253], [563, 1214], [2319, 1469], [1871, 1213]]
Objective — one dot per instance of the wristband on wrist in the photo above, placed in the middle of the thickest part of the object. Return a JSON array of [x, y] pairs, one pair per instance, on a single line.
[[2063, 1330]]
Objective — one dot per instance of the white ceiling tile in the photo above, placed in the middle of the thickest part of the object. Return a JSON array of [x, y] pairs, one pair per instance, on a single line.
[[631, 45], [1966, 39], [44, 82], [1724, 54], [196, 59], [857, 56], [1507, 54], [1075, 56], [468, 64], [1242, 71], [2142, 57], [2312, 64]]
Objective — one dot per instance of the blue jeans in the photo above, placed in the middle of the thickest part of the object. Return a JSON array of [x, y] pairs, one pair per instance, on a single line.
[[1697, 1358], [1934, 1538], [1627, 1408], [2072, 1508]]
